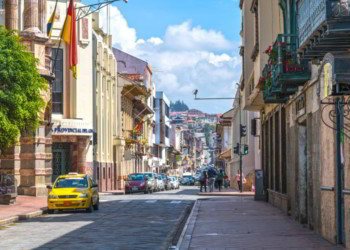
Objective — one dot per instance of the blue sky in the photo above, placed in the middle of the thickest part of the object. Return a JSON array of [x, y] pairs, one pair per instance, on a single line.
[[190, 43]]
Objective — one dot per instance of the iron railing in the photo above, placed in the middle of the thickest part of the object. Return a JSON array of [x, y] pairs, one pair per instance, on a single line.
[[312, 14]]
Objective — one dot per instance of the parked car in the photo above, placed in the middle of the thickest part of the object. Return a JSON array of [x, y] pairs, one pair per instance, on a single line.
[[136, 183], [174, 183], [73, 191], [166, 181], [160, 183], [184, 181], [152, 182]]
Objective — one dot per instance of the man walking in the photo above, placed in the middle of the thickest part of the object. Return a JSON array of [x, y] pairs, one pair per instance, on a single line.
[[211, 177], [203, 180], [220, 178]]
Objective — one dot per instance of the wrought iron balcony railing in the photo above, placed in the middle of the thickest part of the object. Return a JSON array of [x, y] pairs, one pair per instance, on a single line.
[[285, 71], [289, 70], [323, 26]]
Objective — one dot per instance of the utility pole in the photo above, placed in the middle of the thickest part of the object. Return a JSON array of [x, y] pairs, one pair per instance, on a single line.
[[240, 144]]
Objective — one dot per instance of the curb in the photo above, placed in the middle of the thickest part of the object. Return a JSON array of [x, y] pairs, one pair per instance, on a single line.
[[111, 193], [225, 194], [23, 217], [182, 236]]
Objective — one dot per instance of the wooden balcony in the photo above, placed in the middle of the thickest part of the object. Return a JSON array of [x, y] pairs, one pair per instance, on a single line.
[[324, 26]]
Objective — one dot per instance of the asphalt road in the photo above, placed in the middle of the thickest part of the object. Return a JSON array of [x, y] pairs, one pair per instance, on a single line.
[[136, 221]]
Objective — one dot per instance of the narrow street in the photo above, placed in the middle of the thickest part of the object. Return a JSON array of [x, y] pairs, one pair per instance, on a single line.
[[160, 220], [120, 220]]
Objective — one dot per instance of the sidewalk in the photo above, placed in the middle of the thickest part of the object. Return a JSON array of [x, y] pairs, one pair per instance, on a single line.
[[242, 223], [26, 207], [225, 192]]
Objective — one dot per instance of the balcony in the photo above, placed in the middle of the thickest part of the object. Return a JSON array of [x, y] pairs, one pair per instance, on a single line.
[[285, 71], [324, 26]]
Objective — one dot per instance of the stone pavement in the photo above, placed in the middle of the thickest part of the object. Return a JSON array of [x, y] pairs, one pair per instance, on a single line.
[[226, 192], [136, 221], [242, 223], [25, 207]]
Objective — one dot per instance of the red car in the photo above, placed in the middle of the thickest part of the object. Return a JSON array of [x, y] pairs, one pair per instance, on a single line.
[[136, 183]]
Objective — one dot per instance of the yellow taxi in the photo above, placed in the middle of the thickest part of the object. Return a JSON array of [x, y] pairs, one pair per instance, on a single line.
[[73, 191]]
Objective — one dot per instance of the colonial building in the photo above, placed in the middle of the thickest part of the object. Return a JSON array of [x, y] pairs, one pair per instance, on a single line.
[[29, 160], [72, 99], [104, 108], [299, 84], [135, 115], [162, 130]]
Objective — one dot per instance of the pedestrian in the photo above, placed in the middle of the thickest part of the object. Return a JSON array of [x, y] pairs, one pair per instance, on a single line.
[[238, 179], [211, 178], [226, 181], [219, 179], [203, 179]]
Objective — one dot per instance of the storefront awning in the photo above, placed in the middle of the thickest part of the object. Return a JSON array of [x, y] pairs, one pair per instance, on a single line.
[[226, 155]]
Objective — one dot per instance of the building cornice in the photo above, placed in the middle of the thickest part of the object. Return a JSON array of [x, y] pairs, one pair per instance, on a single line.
[[254, 6], [241, 4]]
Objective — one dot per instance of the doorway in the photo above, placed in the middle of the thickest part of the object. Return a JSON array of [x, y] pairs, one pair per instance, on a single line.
[[302, 173], [61, 160]]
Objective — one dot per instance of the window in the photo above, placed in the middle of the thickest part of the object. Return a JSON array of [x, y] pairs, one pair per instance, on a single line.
[[166, 110], [154, 129], [104, 173], [109, 173], [2, 5], [154, 103], [166, 131], [57, 86]]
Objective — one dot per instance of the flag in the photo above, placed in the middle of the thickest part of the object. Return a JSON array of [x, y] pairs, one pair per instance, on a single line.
[[69, 36], [51, 21]]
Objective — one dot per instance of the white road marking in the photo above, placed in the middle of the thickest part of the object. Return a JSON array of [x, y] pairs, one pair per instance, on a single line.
[[103, 200], [175, 202], [151, 201], [125, 201]]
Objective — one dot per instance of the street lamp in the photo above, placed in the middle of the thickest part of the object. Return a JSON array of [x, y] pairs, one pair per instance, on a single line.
[[195, 92]]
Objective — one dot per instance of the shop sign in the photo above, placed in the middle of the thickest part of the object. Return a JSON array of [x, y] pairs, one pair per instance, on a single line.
[[71, 127], [225, 123]]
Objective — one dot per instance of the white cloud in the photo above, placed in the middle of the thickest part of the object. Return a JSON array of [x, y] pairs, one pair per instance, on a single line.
[[186, 58], [123, 35], [186, 37]]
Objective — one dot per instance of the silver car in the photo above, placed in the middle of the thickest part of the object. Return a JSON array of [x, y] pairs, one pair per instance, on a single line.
[[160, 183], [174, 183]]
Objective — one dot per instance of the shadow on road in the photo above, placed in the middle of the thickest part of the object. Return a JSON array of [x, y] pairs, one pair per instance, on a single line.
[[135, 224]]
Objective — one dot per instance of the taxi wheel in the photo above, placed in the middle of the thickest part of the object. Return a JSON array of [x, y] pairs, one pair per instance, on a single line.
[[96, 206], [89, 209], [50, 211]]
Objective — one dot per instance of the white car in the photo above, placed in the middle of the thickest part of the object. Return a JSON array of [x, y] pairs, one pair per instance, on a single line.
[[175, 182], [160, 183], [171, 182]]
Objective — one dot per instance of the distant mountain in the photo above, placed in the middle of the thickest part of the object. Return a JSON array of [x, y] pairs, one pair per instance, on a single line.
[[178, 106]]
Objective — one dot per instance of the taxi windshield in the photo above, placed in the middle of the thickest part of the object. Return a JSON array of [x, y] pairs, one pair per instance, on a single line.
[[72, 182]]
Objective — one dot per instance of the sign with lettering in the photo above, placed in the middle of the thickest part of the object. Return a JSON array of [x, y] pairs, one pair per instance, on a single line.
[[72, 127]]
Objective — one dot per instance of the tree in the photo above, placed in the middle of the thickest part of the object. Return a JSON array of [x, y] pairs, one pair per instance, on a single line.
[[20, 89], [178, 106]]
